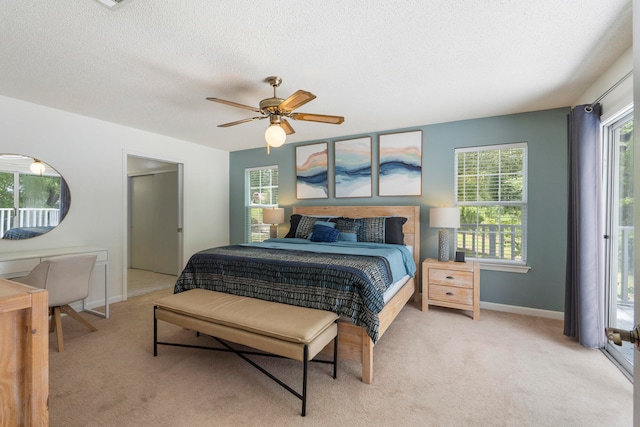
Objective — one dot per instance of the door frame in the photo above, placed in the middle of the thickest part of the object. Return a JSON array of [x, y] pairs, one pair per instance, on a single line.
[[125, 210], [636, 195], [610, 162]]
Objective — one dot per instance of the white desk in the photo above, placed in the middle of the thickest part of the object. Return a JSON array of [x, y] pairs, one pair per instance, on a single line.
[[19, 264]]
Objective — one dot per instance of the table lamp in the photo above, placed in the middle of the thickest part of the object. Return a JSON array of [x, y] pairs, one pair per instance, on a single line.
[[273, 216], [444, 218]]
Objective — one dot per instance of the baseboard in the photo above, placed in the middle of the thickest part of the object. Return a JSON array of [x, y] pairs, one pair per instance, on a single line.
[[77, 306], [558, 315]]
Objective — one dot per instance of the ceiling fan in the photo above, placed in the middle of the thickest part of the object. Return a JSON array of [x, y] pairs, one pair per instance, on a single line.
[[278, 110]]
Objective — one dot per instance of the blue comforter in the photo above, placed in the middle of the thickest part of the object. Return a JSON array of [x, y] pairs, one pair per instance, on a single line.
[[343, 277], [18, 233], [398, 256]]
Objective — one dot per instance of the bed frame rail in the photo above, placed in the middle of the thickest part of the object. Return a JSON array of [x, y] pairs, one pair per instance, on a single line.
[[354, 343]]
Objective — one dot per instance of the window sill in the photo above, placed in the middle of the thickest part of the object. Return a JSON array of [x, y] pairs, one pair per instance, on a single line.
[[509, 268]]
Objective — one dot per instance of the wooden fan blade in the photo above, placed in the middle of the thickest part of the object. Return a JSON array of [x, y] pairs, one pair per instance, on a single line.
[[322, 118], [296, 100], [234, 104], [226, 125], [286, 126]]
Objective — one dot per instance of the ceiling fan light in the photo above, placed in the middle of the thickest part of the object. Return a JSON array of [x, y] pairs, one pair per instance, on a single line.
[[37, 167], [112, 4], [275, 135]]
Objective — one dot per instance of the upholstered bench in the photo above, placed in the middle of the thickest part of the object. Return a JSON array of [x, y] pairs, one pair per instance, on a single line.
[[275, 329]]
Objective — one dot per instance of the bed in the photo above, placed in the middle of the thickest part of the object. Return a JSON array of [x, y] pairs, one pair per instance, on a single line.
[[267, 271], [18, 233]]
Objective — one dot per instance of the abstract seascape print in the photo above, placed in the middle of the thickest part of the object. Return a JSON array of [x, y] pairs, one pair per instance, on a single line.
[[400, 172], [311, 171], [353, 168]]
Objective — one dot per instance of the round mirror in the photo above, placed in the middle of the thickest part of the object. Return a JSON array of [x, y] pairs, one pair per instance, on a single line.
[[34, 198]]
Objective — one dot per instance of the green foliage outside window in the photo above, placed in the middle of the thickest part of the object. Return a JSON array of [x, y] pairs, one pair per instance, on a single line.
[[39, 191], [34, 191], [6, 190], [626, 173], [622, 137]]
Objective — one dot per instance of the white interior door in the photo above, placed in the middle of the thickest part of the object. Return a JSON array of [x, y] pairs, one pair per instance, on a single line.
[[141, 228], [154, 228], [166, 223]]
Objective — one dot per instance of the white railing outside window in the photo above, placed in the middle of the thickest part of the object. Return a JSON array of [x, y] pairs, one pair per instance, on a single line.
[[626, 268], [28, 217], [493, 241]]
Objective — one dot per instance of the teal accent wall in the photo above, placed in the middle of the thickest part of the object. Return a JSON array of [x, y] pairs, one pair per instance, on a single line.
[[546, 134]]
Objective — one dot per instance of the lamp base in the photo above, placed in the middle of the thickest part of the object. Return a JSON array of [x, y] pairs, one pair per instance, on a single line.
[[273, 231], [443, 245]]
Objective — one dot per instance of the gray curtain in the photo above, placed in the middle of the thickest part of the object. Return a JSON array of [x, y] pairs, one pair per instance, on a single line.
[[584, 294], [65, 198]]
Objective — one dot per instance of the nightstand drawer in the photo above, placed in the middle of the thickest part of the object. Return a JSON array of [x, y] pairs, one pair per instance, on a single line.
[[460, 279], [451, 294]]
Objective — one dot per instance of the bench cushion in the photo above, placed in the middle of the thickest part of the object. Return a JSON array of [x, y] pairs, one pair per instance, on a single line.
[[281, 321]]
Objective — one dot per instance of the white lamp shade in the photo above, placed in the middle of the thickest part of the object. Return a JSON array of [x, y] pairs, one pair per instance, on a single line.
[[273, 216], [37, 167], [444, 217], [275, 136]]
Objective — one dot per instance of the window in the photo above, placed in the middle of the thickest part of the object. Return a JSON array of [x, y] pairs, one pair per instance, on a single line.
[[28, 200], [491, 192], [261, 191]]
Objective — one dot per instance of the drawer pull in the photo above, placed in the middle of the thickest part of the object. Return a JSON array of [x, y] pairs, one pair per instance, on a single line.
[[450, 277], [450, 293]]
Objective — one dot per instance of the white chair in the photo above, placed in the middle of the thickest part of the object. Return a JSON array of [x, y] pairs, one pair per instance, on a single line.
[[66, 280]]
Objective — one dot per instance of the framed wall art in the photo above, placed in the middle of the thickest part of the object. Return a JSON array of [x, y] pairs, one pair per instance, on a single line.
[[400, 171], [311, 171], [352, 161]]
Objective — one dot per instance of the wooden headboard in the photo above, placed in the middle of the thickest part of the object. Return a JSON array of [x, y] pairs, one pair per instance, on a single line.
[[411, 228]]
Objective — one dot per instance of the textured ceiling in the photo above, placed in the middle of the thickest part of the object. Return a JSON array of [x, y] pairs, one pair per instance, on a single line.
[[383, 64]]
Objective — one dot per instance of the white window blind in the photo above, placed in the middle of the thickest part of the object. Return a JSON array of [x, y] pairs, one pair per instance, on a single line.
[[261, 191], [491, 192]]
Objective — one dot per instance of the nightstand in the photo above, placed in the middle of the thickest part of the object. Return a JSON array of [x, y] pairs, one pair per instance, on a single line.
[[451, 284]]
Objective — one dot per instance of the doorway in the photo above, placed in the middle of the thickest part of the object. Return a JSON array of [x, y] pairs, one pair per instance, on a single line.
[[619, 205], [154, 224]]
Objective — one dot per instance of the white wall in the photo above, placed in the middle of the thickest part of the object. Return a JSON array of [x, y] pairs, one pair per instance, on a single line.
[[91, 155]]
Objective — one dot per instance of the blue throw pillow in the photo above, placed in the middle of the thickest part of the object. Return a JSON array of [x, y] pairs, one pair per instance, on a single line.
[[347, 237], [323, 223], [322, 233]]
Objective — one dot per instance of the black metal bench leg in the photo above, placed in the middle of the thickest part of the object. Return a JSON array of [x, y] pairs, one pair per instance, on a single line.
[[155, 332], [335, 357], [304, 381]]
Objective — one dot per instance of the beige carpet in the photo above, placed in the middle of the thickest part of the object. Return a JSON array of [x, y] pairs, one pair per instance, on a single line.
[[430, 369], [142, 282]]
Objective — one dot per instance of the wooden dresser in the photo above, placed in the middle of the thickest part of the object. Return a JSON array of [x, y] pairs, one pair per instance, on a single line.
[[24, 355], [451, 284]]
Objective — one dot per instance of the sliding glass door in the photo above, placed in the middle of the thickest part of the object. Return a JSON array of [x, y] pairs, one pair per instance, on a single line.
[[618, 144]]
